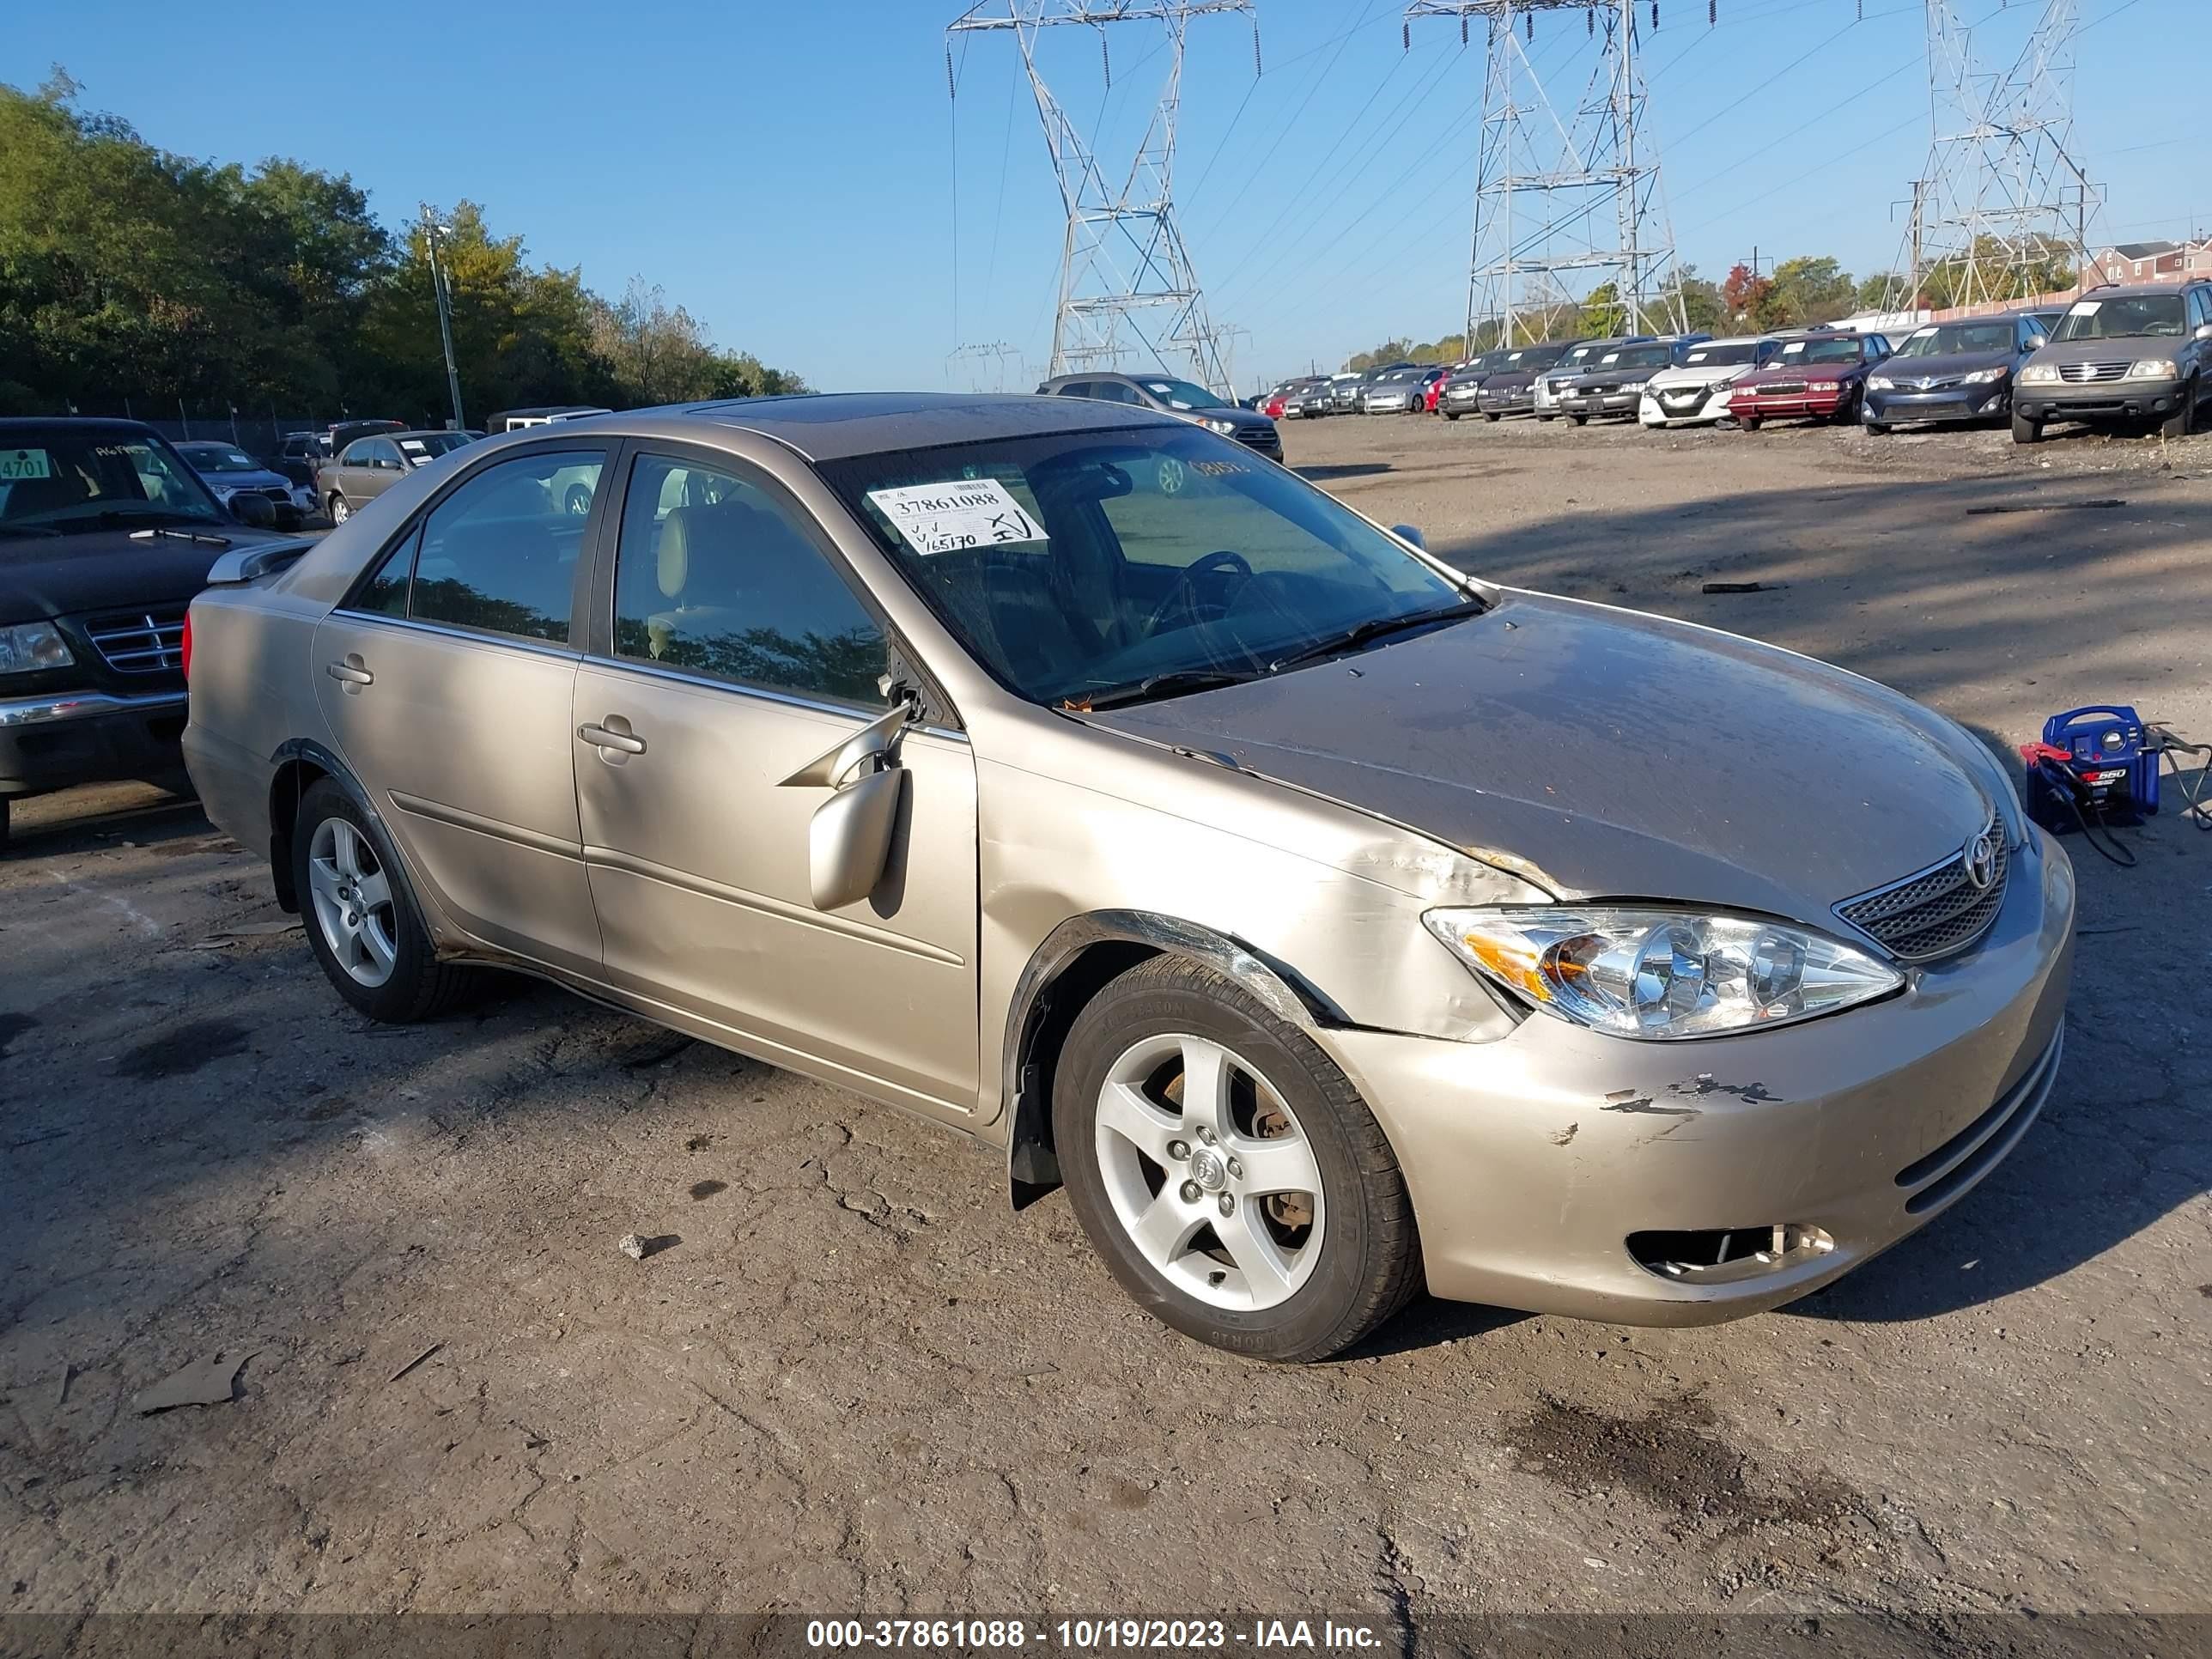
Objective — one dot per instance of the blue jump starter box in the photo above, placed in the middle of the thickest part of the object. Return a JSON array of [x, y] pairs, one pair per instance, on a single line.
[[2101, 766]]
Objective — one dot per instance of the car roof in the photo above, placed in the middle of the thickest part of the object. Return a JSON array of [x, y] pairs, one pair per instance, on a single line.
[[78, 423], [2133, 290], [833, 425]]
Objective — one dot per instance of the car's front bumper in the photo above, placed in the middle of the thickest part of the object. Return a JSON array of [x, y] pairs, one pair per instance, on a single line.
[[1531, 1161], [1951, 402], [1523, 402], [1703, 410], [1588, 405], [1809, 406], [2112, 400], [57, 739]]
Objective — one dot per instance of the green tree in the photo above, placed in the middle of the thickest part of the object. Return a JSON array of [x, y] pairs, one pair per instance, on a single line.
[[1810, 289], [1602, 315]]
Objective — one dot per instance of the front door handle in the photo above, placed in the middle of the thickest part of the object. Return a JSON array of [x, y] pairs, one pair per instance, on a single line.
[[351, 673], [600, 736]]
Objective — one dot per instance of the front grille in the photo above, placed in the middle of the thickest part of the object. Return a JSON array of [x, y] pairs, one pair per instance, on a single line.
[[141, 642], [1935, 913], [1258, 438], [2090, 373], [1777, 388]]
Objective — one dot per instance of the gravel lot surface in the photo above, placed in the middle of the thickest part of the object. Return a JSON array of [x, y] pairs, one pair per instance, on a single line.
[[845, 1380]]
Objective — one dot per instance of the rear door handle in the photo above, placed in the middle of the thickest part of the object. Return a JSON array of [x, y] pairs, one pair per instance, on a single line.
[[600, 738], [351, 673]]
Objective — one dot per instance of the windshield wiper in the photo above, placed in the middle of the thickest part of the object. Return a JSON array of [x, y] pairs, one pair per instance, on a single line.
[[180, 535], [1173, 684], [1376, 628]]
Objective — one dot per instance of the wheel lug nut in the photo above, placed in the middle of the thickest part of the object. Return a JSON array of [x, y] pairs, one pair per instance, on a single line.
[[1228, 1204], [1236, 1169], [1191, 1192], [1178, 1150], [1205, 1134]]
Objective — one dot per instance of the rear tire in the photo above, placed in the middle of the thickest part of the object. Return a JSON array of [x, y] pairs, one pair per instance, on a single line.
[[2025, 431], [1136, 1138], [341, 510], [415, 985]]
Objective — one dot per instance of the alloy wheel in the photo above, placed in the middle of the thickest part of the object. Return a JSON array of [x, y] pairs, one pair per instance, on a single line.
[[1209, 1172], [352, 898]]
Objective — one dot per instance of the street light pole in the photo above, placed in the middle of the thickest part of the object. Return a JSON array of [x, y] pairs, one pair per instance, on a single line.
[[431, 231]]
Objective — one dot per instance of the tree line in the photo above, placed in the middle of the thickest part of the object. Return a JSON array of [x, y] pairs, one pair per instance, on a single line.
[[132, 278], [1798, 292]]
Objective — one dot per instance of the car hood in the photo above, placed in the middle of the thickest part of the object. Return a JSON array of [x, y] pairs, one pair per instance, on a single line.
[[101, 569], [1603, 753], [1511, 380], [2131, 347], [1697, 374], [1945, 365], [1778, 371]]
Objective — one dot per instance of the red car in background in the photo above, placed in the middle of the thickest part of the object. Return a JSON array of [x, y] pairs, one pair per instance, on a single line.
[[1436, 391], [1814, 377]]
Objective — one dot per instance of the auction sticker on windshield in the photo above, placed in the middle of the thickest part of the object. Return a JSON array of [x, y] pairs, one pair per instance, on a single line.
[[18, 464], [944, 518]]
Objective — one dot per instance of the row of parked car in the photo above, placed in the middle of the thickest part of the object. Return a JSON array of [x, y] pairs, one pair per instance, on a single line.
[[2118, 354]]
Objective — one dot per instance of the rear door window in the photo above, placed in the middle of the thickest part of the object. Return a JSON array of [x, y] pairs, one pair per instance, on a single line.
[[499, 554]]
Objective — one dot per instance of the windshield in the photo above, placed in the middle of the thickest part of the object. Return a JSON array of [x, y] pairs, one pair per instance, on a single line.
[[1838, 348], [1949, 339], [1083, 565], [219, 457], [421, 447], [1649, 356], [1181, 394], [69, 479], [2133, 315], [1710, 356], [1579, 356]]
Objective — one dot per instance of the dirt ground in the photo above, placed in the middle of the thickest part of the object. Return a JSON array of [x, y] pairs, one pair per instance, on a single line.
[[847, 1381]]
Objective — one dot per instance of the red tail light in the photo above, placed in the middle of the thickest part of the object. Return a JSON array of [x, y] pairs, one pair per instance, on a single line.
[[186, 647]]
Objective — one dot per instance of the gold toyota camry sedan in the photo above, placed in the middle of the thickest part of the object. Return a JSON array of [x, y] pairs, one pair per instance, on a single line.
[[1329, 921]]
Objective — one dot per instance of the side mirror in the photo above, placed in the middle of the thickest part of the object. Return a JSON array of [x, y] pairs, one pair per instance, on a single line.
[[255, 512], [2037, 342], [849, 842], [2204, 330], [1405, 532]]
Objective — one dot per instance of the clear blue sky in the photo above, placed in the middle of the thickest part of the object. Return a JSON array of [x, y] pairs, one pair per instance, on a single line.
[[790, 172]]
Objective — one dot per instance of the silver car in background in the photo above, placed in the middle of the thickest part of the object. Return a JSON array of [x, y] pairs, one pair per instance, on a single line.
[[1072, 776]]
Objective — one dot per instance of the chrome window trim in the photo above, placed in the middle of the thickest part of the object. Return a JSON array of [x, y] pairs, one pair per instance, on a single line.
[[859, 713], [451, 631]]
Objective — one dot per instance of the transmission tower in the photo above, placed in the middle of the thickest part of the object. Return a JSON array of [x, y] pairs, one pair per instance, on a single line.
[[2003, 212], [1564, 202], [1122, 260]]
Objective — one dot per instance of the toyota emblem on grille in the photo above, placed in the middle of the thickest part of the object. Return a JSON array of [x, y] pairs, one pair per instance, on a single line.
[[1981, 856]]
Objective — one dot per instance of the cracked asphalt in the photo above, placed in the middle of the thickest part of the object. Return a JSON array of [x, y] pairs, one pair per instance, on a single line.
[[845, 1380]]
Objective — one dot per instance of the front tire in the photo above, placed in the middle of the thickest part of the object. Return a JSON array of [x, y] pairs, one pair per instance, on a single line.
[[362, 920], [1450, 416], [1878, 428], [1226, 1171], [1487, 415], [1747, 423], [2025, 431], [2183, 421]]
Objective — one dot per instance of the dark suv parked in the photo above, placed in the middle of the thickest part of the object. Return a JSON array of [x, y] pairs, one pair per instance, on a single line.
[[105, 535], [2137, 353]]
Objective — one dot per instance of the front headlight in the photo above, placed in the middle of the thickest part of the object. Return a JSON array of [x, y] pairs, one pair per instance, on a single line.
[[1983, 376], [1823, 386], [30, 646], [2040, 374], [1880, 383], [1636, 385], [1662, 975], [1225, 428], [2154, 368]]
